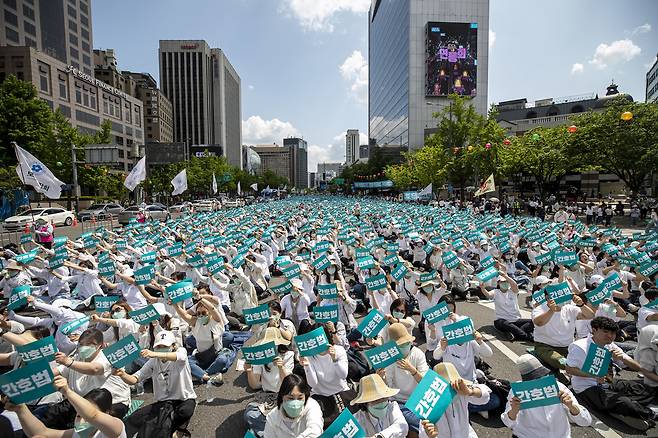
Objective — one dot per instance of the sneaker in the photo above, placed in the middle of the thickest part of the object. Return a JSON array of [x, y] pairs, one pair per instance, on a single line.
[[633, 308], [473, 299], [634, 422], [510, 336], [484, 414], [216, 380]]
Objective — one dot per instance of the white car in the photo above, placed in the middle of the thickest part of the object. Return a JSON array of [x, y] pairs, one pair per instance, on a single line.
[[55, 216], [228, 203]]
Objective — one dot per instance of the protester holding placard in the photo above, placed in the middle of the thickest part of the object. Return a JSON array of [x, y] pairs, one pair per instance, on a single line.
[[295, 306], [648, 313], [507, 313], [92, 419], [587, 362], [54, 287], [377, 413], [428, 296], [455, 418], [173, 391], [405, 373], [207, 327], [399, 313], [297, 415], [550, 420], [13, 277], [326, 373], [15, 334], [267, 377], [87, 282], [459, 280], [134, 295]]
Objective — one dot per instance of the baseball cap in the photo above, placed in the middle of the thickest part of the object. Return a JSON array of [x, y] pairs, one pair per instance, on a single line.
[[165, 339], [530, 367]]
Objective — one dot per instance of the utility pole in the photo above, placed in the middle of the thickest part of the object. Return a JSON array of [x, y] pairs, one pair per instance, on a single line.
[[76, 188]]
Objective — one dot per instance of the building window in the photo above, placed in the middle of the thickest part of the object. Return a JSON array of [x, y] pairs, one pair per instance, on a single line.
[[121, 153], [84, 8], [28, 12], [73, 26], [11, 3], [73, 39], [11, 34], [78, 97], [29, 28], [84, 33], [84, 20], [30, 42], [74, 53], [11, 18], [85, 46], [86, 60], [44, 78], [62, 90], [72, 12]]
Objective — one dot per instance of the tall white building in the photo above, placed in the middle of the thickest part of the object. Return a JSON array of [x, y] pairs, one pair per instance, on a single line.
[[351, 146], [204, 90], [419, 52], [652, 82]]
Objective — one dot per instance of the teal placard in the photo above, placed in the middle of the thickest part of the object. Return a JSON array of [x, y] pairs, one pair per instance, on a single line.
[[539, 296], [104, 304], [72, 326], [283, 288], [487, 262], [399, 271], [180, 291], [428, 276], [538, 392], [328, 291], [29, 383], [321, 263], [312, 343], [321, 247], [560, 293], [597, 361], [175, 249], [365, 263], [372, 324], [59, 241], [487, 274], [384, 355], [260, 354], [145, 315], [648, 269], [376, 282], [106, 269], [459, 332], [18, 296], [292, 271], [26, 257], [652, 305], [612, 282], [450, 259], [196, 261], [437, 313], [391, 260], [215, 265], [26, 238], [56, 262], [257, 315], [144, 275], [324, 314], [345, 426], [122, 352], [431, 398], [544, 258], [43, 349], [565, 258], [238, 260], [598, 295], [190, 248]]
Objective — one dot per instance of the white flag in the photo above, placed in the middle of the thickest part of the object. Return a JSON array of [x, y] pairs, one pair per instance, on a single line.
[[487, 186], [254, 186], [268, 189], [136, 176], [179, 182], [427, 191], [214, 184], [239, 189], [33, 172]]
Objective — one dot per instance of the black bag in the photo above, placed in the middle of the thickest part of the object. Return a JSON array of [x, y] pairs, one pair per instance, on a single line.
[[160, 422], [357, 365], [207, 357]]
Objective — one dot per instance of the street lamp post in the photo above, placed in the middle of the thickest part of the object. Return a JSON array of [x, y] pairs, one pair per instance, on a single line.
[[76, 188]]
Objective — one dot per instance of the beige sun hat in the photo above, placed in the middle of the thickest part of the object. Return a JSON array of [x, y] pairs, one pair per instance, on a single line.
[[273, 334], [13, 265], [448, 371], [372, 387], [398, 333]]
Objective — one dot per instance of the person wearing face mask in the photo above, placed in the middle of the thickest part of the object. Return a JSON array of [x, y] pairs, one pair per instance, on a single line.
[[92, 419], [241, 289], [428, 296], [173, 391], [507, 312], [378, 414], [459, 279], [405, 373], [122, 325], [297, 415], [398, 314], [87, 280], [14, 276], [295, 306], [624, 399], [87, 370], [207, 327]]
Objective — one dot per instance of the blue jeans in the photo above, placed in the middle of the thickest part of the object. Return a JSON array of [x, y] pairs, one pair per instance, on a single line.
[[493, 403], [412, 420], [255, 420], [222, 362]]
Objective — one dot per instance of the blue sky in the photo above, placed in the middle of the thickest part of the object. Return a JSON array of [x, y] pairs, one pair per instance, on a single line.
[[303, 63]]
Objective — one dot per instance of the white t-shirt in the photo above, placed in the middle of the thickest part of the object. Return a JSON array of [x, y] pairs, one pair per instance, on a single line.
[[171, 380], [100, 434], [301, 308], [507, 305], [402, 379], [326, 377], [576, 358], [642, 315], [271, 380], [208, 335], [559, 330], [83, 383]]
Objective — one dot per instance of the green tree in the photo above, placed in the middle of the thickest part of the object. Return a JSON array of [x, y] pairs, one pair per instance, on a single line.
[[628, 149]]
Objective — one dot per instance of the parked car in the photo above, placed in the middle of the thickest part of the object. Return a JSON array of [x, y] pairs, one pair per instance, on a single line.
[[179, 207], [55, 216], [152, 212], [229, 203], [206, 205], [100, 211]]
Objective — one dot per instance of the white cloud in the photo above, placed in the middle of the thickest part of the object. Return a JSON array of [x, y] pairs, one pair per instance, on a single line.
[[255, 130], [646, 27], [316, 15], [331, 153], [617, 51], [577, 68], [355, 70], [492, 38]]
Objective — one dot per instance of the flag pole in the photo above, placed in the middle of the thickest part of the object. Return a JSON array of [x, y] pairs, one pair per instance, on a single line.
[[23, 175]]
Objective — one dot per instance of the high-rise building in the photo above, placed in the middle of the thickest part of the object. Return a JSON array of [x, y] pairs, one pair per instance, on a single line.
[[351, 146], [204, 90], [275, 158], [298, 161], [419, 52], [59, 28], [652, 82]]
